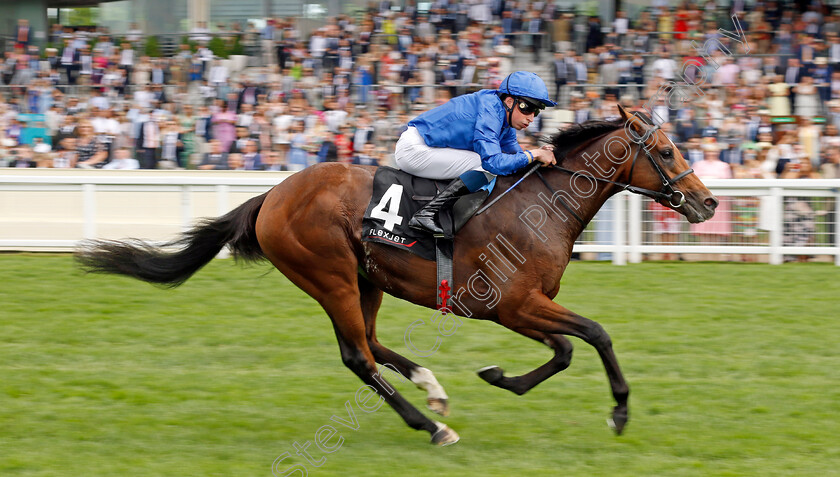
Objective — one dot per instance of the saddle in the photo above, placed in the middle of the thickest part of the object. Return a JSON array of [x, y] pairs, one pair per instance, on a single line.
[[396, 196]]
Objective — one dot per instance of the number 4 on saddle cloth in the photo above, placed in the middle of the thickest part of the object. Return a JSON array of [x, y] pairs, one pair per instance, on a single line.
[[397, 195]]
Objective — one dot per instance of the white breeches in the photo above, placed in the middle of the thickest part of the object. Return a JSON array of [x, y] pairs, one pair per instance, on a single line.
[[412, 155]]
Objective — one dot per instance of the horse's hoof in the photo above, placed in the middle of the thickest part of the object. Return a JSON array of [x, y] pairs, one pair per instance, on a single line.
[[438, 406], [618, 420], [491, 374], [444, 436]]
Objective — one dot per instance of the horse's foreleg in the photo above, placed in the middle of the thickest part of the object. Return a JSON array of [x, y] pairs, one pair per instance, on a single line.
[[522, 384], [349, 325], [436, 399], [542, 314]]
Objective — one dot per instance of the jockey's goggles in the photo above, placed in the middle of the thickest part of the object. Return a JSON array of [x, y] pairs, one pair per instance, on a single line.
[[528, 106]]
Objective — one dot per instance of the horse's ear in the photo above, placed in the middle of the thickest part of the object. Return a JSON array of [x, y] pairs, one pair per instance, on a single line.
[[636, 122], [622, 112]]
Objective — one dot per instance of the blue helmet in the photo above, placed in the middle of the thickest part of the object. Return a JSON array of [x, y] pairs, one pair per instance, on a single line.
[[525, 84]]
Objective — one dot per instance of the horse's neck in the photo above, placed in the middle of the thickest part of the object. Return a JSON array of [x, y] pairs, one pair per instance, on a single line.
[[579, 196]]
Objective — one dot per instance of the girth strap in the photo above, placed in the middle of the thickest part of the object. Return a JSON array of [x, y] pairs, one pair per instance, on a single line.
[[444, 273]]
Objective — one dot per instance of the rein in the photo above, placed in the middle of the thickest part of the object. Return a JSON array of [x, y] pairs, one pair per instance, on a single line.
[[667, 192]]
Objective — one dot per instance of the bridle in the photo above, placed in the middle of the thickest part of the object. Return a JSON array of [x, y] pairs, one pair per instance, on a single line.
[[668, 192]]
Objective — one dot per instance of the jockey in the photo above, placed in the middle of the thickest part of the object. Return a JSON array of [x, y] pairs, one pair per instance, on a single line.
[[470, 136]]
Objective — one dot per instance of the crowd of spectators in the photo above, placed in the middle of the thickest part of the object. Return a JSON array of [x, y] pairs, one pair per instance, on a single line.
[[345, 91]]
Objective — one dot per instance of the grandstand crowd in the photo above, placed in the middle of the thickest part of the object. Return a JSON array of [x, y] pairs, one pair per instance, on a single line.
[[345, 91]]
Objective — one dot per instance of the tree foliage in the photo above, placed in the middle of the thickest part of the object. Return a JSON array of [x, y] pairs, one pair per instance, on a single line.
[[82, 16], [152, 48]]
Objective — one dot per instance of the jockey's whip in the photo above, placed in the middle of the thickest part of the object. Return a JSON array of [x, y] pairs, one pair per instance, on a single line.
[[536, 165]]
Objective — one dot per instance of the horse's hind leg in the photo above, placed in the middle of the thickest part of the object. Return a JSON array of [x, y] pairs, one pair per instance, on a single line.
[[345, 311], [436, 399], [522, 384], [336, 289]]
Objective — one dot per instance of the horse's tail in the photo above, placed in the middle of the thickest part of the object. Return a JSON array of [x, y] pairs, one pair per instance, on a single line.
[[194, 249]]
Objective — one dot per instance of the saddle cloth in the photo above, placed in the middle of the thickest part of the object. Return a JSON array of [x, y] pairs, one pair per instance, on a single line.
[[397, 195]]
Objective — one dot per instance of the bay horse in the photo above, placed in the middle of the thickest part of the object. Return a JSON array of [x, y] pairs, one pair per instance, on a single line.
[[310, 227]]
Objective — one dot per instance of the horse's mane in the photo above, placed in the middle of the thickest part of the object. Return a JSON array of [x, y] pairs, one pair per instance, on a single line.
[[576, 135]]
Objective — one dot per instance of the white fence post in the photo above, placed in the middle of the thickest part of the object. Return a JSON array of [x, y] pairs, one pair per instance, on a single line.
[[837, 227], [223, 205], [186, 207], [619, 239], [635, 228], [778, 223], [89, 206]]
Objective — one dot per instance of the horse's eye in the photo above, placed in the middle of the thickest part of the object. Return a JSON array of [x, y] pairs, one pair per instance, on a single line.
[[667, 153]]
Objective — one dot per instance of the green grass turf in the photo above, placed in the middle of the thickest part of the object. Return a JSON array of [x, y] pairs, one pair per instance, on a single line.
[[733, 371]]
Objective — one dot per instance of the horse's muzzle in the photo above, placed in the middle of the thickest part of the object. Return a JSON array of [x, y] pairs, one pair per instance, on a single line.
[[699, 209]]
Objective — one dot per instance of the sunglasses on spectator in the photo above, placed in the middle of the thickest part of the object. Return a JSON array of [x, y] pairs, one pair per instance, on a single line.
[[529, 108]]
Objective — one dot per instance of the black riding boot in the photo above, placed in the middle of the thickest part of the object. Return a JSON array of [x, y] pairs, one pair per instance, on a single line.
[[425, 218]]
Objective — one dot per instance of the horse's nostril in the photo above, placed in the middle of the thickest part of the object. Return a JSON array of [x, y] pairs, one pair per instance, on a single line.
[[711, 203]]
